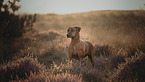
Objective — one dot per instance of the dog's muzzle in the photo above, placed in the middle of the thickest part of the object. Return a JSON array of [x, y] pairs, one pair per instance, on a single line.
[[68, 35]]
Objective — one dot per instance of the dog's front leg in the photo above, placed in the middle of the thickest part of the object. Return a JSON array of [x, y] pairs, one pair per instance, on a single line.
[[80, 62], [70, 55]]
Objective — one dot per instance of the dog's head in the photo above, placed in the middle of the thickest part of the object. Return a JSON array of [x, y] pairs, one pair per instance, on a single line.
[[73, 31]]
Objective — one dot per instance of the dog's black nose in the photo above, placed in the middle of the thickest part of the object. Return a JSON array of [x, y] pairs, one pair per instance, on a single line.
[[67, 35]]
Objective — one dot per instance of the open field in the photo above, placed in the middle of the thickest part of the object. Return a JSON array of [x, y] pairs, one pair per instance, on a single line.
[[118, 38]]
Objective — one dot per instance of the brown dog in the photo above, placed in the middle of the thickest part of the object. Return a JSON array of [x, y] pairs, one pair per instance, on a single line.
[[79, 49]]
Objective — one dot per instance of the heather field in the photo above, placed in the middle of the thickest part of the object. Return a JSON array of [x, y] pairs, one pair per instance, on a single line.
[[40, 55]]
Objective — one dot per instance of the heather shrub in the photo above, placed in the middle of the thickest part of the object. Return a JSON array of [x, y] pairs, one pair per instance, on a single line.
[[45, 77], [19, 69], [63, 72], [29, 69], [98, 73], [34, 78], [104, 50], [116, 58], [57, 55], [64, 77], [71, 71], [131, 70]]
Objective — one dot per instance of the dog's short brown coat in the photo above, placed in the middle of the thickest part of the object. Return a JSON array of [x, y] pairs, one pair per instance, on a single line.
[[79, 49]]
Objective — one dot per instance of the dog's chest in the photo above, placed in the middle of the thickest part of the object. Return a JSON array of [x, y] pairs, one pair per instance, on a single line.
[[75, 47], [78, 48]]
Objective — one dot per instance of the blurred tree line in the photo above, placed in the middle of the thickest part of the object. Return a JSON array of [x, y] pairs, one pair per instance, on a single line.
[[12, 26]]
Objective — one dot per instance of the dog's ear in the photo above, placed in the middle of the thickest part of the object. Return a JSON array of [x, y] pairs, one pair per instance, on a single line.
[[78, 29]]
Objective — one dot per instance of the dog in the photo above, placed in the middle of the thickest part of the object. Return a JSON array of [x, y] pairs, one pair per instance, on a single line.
[[79, 49]]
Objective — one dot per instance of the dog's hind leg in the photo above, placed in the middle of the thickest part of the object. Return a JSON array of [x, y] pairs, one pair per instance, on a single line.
[[87, 61], [91, 59]]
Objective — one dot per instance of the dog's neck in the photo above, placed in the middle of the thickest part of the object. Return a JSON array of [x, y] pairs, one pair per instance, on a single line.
[[76, 38]]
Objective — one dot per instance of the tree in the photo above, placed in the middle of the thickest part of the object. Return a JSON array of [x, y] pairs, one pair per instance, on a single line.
[[11, 25]]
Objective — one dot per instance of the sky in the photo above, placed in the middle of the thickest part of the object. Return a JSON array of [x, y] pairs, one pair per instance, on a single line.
[[76, 6]]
